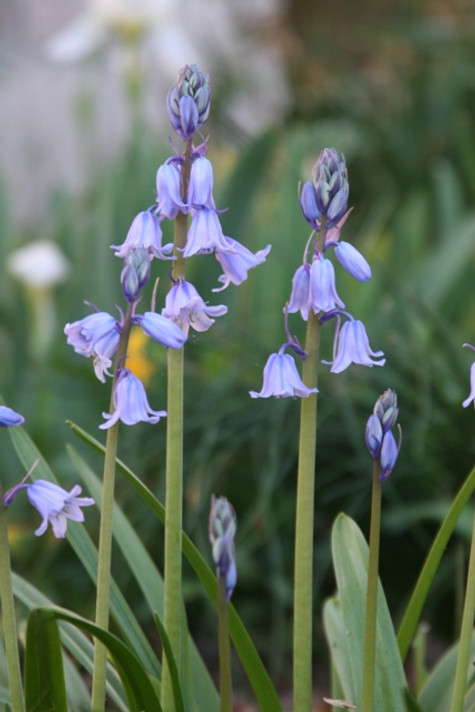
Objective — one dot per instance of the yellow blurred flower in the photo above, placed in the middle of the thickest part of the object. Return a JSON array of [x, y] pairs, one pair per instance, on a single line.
[[141, 366]]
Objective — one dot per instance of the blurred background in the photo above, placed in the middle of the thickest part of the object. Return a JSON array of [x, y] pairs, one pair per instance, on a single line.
[[83, 129]]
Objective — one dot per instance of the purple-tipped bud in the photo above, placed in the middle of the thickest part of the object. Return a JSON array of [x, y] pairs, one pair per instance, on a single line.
[[308, 203], [374, 436], [9, 417], [330, 181], [389, 455], [135, 274], [386, 409], [188, 102], [353, 261], [222, 530]]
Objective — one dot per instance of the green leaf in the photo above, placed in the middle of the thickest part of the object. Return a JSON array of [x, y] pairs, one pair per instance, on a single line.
[[172, 666], [44, 675], [339, 648], [414, 608], [258, 677], [350, 560], [436, 695], [140, 691]]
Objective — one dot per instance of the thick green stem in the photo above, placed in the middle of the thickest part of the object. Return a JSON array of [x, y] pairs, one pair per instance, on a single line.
[[463, 659], [225, 677], [105, 536], [174, 465], [8, 616], [369, 652], [303, 574]]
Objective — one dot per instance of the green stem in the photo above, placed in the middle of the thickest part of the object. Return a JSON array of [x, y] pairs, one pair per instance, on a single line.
[[105, 534], [174, 466], [303, 574], [369, 652], [225, 677], [463, 658], [8, 616]]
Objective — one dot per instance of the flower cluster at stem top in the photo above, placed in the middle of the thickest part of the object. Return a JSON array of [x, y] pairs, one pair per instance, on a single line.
[[379, 438], [184, 187], [222, 531], [324, 202]]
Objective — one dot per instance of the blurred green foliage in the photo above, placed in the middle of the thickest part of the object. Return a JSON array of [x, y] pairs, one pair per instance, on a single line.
[[410, 149]]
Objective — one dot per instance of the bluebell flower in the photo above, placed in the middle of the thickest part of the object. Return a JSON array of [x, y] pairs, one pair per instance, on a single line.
[[188, 102], [222, 532], [330, 181], [206, 234], [323, 294], [374, 436], [135, 274], [144, 233], [161, 329], [54, 504], [200, 188], [236, 261], [353, 261], [389, 455], [185, 307], [282, 379], [352, 346], [130, 403], [471, 397], [97, 337], [169, 198], [308, 204], [9, 418], [300, 299]]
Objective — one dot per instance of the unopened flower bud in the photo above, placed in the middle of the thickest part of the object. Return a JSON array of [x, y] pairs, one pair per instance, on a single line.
[[386, 409], [330, 181], [374, 436], [222, 530], [188, 102], [135, 274]]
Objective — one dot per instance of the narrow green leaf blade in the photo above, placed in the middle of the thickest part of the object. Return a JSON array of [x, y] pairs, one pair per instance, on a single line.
[[172, 666], [436, 695], [44, 675], [350, 560]]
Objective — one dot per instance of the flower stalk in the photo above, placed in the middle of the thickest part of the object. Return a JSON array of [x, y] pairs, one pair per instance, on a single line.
[[369, 650], [174, 461], [8, 617], [105, 534], [463, 658], [225, 677]]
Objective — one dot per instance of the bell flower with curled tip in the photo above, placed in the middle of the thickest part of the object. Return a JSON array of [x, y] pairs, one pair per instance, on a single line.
[[300, 298], [185, 307], [236, 261], [54, 504], [97, 337], [130, 403], [471, 396], [161, 329], [9, 418], [351, 345], [188, 102], [281, 378], [206, 234], [145, 233], [169, 202], [222, 531]]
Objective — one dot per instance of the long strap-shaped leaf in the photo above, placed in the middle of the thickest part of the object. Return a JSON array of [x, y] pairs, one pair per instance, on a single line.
[[45, 688], [258, 677]]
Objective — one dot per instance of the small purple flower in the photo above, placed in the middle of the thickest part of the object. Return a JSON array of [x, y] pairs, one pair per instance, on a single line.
[[144, 233], [236, 261], [330, 181], [222, 531], [130, 403], [352, 346], [96, 336], [308, 204], [135, 274], [188, 102], [374, 436], [353, 261], [200, 189], [206, 234], [185, 307], [389, 455], [161, 329], [300, 296], [54, 504], [323, 294], [281, 378], [9, 418], [169, 198], [471, 397]]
